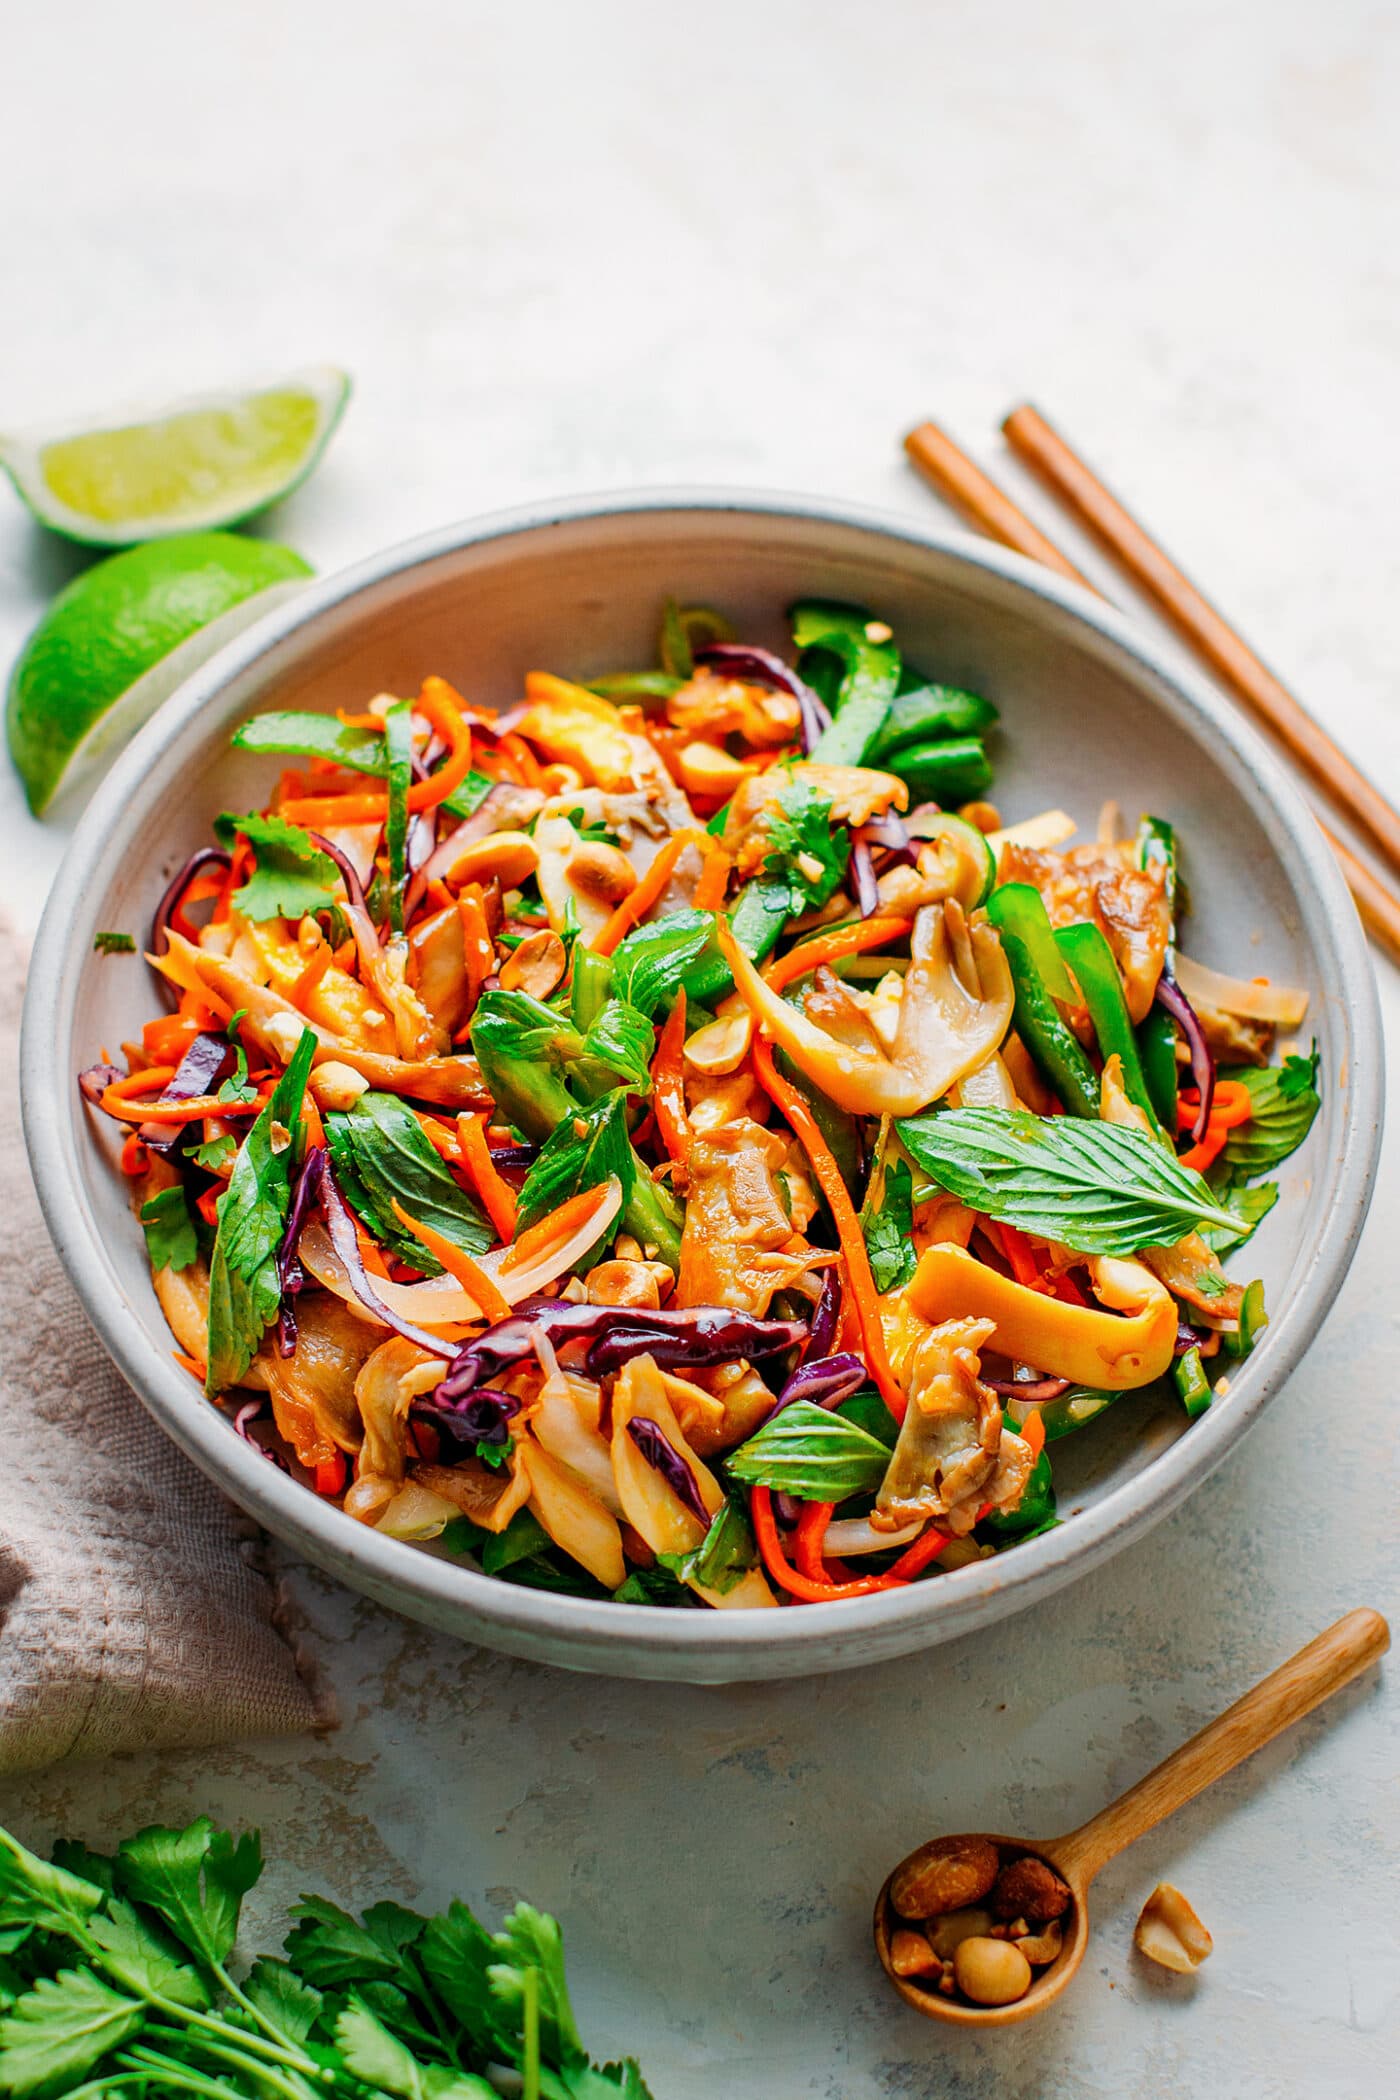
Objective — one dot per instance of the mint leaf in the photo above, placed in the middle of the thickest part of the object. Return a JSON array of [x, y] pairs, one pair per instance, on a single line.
[[1097, 1187], [808, 1451], [292, 876], [585, 1149], [113, 944], [650, 964], [244, 1289], [171, 1242], [32, 1892], [196, 1878], [143, 1959], [59, 2029], [381, 1156]]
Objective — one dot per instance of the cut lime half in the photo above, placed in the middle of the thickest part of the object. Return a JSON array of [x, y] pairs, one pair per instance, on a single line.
[[198, 463]]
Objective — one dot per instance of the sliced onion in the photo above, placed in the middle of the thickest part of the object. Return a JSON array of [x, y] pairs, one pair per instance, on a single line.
[[1035, 1390], [1284, 1005], [441, 1300], [340, 1225], [1170, 995], [863, 884], [355, 909], [849, 1536], [761, 667]]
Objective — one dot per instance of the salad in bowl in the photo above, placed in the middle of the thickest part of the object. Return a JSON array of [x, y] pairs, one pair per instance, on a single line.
[[673, 1141]]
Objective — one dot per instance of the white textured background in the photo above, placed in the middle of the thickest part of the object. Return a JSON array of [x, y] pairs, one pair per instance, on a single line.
[[567, 247]]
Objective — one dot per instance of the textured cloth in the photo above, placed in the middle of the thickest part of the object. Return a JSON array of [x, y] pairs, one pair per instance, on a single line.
[[134, 1612]]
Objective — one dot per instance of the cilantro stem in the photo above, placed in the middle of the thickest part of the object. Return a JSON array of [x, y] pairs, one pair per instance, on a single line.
[[172, 2072], [239, 2059], [269, 2027], [247, 2044], [530, 1993]]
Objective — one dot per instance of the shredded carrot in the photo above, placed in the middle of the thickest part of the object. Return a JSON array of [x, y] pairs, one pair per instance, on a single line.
[[668, 1084], [193, 1111], [918, 1556], [134, 1157], [208, 1206], [313, 973], [311, 1117], [498, 1198], [714, 880], [830, 947], [315, 812], [478, 946], [189, 1363], [788, 1578], [1020, 1256], [808, 1539], [649, 890], [515, 748], [487, 1294], [859, 1280], [330, 1475], [443, 1141], [1032, 1432], [240, 862], [149, 1081], [444, 707], [558, 1226]]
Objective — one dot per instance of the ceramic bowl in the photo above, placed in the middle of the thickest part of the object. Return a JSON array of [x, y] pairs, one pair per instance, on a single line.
[[1091, 709]]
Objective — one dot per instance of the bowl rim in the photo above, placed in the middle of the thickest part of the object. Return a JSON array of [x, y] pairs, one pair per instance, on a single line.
[[534, 1622]]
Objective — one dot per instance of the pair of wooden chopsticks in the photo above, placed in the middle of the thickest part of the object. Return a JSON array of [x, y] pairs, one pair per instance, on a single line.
[[970, 490]]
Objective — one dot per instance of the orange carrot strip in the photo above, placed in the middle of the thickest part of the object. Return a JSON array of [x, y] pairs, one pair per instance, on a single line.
[[830, 947], [189, 1363], [149, 1081], [193, 1111], [134, 1157], [497, 1196], [313, 973], [443, 707], [714, 880], [559, 1225], [668, 1084], [457, 1264], [859, 1280], [317, 811], [166, 1040], [788, 1578], [1032, 1432], [648, 891]]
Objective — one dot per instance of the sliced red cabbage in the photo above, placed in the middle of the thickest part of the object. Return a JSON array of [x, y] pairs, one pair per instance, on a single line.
[[209, 1059], [822, 1332], [291, 1276], [661, 1454], [175, 890], [1170, 995], [697, 1335], [761, 667], [824, 1380], [1033, 1389], [483, 1416], [94, 1082]]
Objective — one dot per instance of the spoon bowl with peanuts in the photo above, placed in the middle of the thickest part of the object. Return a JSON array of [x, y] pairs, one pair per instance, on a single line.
[[982, 1929]]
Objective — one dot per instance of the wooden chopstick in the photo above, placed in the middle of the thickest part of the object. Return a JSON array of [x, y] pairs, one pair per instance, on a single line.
[[978, 497], [1227, 654]]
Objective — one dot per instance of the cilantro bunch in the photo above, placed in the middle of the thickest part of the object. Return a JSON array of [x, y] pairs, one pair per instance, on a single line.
[[115, 1979]]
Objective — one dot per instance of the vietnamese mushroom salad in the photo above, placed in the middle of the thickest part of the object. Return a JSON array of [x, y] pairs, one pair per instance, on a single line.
[[672, 1141]]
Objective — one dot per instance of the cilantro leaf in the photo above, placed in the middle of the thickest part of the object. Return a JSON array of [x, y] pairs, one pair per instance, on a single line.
[[80, 1859], [235, 1088], [331, 1950], [529, 1939], [213, 1153], [32, 1892], [171, 1242], [244, 1289], [457, 1954], [113, 944], [292, 876], [196, 1878], [60, 2028], [381, 1156], [803, 850], [584, 1150], [144, 1959], [889, 1228], [282, 1997]]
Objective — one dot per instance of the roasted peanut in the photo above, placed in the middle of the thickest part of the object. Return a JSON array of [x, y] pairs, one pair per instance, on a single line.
[[334, 1085], [1028, 1888], [1169, 1932], [720, 1047], [947, 1933], [991, 1972], [537, 966], [1043, 1946], [599, 871], [947, 1873], [911, 1955]]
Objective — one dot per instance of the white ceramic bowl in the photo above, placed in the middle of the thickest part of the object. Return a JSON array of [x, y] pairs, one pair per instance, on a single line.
[[1090, 710]]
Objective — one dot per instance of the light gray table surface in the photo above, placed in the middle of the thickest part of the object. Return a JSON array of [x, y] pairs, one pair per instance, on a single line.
[[565, 248]]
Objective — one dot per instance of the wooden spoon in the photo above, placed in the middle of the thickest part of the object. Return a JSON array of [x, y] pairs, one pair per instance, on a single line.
[[1312, 1675]]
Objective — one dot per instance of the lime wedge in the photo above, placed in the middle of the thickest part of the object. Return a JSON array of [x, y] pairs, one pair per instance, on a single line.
[[199, 463], [118, 640]]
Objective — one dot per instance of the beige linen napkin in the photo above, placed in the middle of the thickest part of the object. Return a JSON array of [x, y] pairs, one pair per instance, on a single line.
[[134, 1613]]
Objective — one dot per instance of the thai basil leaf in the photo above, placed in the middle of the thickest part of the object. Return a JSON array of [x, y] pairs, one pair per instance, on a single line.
[[617, 1047], [171, 1240], [725, 1554], [805, 1450], [869, 1412], [586, 1148], [309, 735], [381, 1157], [650, 964], [1249, 1206], [1285, 1101], [292, 876], [1097, 1187], [398, 746], [889, 1230], [244, 1288]]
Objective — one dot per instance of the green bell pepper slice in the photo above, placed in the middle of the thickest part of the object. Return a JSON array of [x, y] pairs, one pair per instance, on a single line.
[[1156, 1032], [1034, 1512], [1089, 956], [1039, 978], [1192, 1385], [869, 682], [759, 915], [928, 713], [953, 771]]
